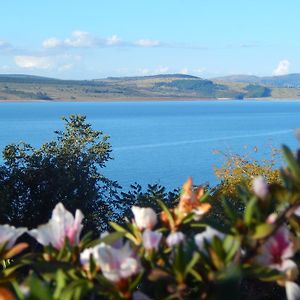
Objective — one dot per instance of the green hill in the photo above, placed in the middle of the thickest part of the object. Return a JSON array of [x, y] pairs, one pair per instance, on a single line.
[[170, 86]]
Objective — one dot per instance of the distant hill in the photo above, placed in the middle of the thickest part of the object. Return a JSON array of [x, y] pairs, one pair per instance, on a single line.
[[180, 76], [165, 86], [286, 81]]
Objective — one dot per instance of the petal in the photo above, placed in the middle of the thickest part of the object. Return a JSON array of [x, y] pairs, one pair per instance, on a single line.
[[129, 267], [44, 234], [292, 290], [10, 234]]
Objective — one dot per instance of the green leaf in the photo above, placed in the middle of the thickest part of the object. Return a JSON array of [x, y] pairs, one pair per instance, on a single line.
[[39, 290], [231, 245], [250, 211], [167, 211], [122, 230], [291, 162], [192, 263], [263, 230], [60, 283]]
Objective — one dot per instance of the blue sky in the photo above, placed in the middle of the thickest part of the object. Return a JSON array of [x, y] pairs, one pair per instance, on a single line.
[[96, 38]]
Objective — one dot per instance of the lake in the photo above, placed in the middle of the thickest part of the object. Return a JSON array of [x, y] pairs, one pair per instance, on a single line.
[[161, 142]]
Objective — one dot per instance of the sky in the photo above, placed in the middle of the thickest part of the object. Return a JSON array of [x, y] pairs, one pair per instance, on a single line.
[[88, 39]]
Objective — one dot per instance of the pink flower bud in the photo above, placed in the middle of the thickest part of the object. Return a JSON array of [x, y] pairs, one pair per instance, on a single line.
[[260, 187], [151, 239]]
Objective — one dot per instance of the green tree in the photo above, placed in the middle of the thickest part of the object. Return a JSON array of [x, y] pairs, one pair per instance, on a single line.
[[67, 170]]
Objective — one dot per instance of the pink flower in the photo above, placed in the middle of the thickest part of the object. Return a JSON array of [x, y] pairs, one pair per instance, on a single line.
[[144, 217], [151, 239], [115, 264], [62, 225], [277, 250], [9, 234], [175, 238], [260, 187]]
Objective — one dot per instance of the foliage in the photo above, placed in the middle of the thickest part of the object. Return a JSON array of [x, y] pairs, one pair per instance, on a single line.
[[257, 91], [240, 169], [67, 170], [149, 198], [177, 253]]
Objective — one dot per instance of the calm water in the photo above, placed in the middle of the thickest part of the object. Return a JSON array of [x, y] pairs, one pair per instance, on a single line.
[[161, 142]]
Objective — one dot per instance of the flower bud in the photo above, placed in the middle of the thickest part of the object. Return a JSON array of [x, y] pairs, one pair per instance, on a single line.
[[151, 239], [175, 238], [144, 217], [260, 187]]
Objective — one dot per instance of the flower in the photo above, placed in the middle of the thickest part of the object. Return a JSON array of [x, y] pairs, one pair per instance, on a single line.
[[115, 264], [62, 225], [189, 200], [175, 238], [260, 187], [144, 217], [151, 239], [85, 257], [9, 234], [292, 290], [207, 235], [277, 250], [297, 211]]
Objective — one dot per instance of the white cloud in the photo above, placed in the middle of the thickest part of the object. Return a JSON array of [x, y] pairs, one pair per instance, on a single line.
[[282, 68], [80, 39], [65, 67], [147, 43], [113, 40], [200, 70], [83, 39], [52, 42], [144, 71], [162, 69], [184, 71], [33, 62]]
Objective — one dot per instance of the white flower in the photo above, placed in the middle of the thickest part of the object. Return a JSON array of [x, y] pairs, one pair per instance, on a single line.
[[260, 187], [9, 234], [85, 257], [292, 290], [144, 217], [175, 238], [62, 225], [151, 239], [115, 263], [297, 211], [207, 235]]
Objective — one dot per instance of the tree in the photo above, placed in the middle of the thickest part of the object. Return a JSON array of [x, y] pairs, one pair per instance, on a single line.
[[67, 170]]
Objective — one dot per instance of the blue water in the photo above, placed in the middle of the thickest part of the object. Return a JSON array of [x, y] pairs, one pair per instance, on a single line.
[[162, 142]]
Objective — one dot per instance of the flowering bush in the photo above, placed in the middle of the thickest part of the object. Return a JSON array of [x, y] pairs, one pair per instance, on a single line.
[[180, 253]]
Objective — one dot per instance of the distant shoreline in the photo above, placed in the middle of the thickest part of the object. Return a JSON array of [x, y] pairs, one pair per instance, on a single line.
[[141, 99]]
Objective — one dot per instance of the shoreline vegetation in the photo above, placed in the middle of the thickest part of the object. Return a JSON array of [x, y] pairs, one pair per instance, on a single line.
[[19, 88]]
